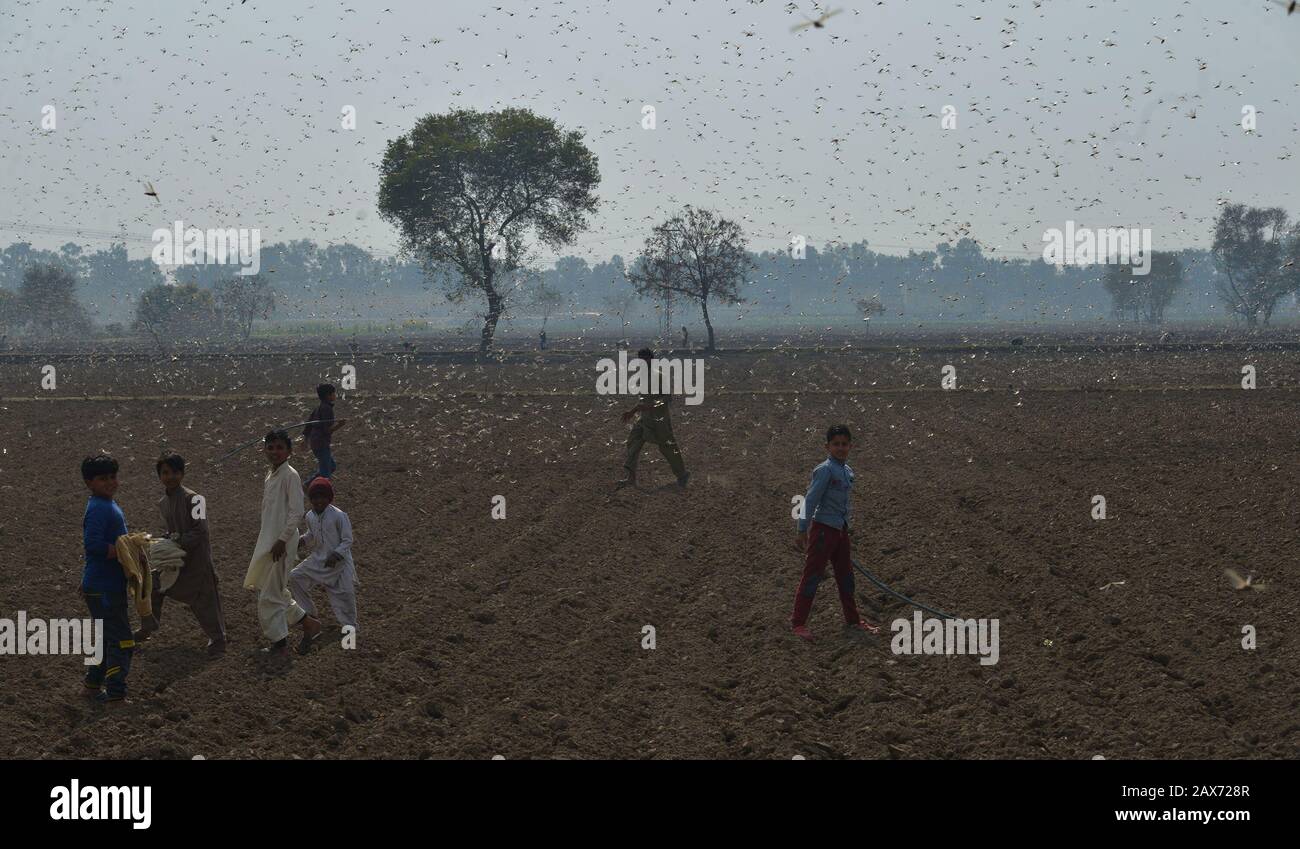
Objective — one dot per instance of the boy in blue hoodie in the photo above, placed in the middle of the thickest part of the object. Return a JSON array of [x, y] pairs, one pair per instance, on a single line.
[[824, 535], [103, 584], [318, 436]]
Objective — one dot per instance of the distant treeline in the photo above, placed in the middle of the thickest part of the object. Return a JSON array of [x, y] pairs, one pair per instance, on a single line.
[[346, 283]]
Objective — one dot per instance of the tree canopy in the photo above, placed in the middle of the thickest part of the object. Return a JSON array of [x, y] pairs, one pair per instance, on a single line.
[[466, 190]]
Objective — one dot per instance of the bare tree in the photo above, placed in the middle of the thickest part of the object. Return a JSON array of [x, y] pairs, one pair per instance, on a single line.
[[869, 307], [546, 300], [173, 314], [243, 299], [620, 304], [697, 254]]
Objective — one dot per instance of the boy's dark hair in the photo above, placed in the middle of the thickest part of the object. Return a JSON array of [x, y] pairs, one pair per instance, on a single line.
[[324, 391], [171, 459], [100, 464], [646, 354], [839, 430], [280, 435]]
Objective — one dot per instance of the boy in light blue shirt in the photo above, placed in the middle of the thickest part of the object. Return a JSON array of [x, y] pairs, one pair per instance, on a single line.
[[824, 535]]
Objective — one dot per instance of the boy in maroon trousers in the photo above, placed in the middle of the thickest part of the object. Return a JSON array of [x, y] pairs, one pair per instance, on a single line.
[[824, 535]]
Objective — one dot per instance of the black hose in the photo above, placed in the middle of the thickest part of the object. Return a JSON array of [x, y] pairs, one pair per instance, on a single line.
[[873, 579]]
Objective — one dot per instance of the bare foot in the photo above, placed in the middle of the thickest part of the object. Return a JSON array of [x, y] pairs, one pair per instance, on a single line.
[[311, 628]]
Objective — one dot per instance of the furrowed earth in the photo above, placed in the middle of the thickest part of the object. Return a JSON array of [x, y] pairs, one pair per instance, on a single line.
[[522, 637]]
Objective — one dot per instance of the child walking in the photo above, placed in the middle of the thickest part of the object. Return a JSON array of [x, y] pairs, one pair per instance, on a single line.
[[824, 535], [655, 425], [184, 515], [103, 584], [268, 570], [329, 537], [318, 436]]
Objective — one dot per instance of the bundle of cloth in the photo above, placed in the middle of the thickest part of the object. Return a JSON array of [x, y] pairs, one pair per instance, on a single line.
[[168, 557], [139, 553]]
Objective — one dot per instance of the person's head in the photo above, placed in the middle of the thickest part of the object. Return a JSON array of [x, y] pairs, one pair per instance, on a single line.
[[320, 493], [278, 447], [325, 392], [100, 474], [171, 469], [838, 441], [646, 354]]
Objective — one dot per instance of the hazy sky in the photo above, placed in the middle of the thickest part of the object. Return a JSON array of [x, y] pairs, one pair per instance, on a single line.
[[1106, 113]]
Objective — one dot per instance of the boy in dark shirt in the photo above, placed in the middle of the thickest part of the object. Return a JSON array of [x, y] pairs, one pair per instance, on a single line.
[[655, 426], [317, 436], [196, 584], [103, 584]]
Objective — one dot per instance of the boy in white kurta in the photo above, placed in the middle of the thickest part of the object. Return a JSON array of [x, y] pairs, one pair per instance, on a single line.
[[329, 537], [277, 545]]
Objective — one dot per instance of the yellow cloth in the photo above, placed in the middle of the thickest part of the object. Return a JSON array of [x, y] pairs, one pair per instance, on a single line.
[[133, 555]]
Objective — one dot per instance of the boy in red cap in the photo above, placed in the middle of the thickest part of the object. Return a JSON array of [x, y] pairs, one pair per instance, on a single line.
[[329, 536]]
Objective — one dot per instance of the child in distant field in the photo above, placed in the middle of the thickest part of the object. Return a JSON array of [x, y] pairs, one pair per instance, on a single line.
[[329, 537], [317, 436], [824, 535], [103, 583], [655, 426], [268, 570], [196, 583]]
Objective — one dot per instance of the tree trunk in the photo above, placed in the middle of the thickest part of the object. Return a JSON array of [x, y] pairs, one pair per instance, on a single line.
[[704, 305], [495, 306]]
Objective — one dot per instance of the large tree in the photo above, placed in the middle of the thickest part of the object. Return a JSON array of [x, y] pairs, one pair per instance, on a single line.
[[1258, 256], [698, 254], [48, 300], [1146, 296], [466, 189], [16, 259]]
